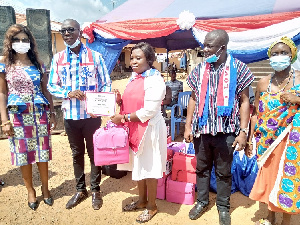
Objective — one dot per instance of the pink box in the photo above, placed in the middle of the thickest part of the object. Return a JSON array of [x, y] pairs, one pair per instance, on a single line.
[[161, 188], [184, 167], [180, 192], [177, 146]]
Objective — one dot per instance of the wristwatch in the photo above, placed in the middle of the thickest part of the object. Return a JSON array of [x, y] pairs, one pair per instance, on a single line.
[[245, 130], [128, 115]]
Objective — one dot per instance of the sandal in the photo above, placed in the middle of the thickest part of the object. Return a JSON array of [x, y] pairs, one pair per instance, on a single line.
[[133, 206], [263, 222], [145, 216]]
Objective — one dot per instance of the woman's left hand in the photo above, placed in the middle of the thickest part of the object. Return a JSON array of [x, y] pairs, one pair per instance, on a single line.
[[288, 97], [117, 119], [52, 122]]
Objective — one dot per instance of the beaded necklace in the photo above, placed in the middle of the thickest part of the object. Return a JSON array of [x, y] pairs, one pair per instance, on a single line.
[[282, 89]]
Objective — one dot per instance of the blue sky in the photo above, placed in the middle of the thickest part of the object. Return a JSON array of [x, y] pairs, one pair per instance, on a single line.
[[81, 10]]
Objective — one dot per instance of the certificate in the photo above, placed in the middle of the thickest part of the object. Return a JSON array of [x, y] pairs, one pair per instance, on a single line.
[[100, 103]]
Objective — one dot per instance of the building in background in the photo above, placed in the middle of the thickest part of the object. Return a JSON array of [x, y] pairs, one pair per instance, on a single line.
[[57, 41]]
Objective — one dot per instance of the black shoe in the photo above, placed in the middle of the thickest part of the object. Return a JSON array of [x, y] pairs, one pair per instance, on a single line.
[[76, 199], [48, 201], [224, 218], [197, 211], [33, 205], [96, 200]]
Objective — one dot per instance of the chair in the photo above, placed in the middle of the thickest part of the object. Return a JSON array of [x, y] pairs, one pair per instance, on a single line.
[[177, 115]]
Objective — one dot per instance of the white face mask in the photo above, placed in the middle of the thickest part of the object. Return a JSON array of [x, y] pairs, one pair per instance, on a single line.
[[76, 43], [21, 47], [280, 62]]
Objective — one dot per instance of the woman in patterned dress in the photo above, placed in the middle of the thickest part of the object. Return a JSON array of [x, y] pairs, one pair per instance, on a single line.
[[275, 124], [26, 109]]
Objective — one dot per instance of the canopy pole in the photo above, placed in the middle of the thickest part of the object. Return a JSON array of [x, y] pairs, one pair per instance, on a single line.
[[167, 64]]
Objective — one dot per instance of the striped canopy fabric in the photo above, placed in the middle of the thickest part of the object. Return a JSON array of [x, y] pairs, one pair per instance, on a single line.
[[252, 25]]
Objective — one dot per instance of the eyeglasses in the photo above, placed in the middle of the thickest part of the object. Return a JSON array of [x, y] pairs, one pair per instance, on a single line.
[[23, 40], [70, 30]]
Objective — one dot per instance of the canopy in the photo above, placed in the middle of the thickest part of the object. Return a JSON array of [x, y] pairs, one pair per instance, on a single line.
[[202, 9], [250, 36]]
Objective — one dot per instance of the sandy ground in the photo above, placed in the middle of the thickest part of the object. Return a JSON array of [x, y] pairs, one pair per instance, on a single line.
[[116, 193]]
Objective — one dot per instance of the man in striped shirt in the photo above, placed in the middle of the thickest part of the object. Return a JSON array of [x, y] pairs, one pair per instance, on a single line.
[[217, 120], [73, 71]]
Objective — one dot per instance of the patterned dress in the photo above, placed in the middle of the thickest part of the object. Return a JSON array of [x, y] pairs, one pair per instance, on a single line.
[[29, 112], [278, 180]]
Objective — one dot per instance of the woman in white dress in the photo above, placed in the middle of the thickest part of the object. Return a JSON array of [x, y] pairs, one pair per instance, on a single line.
[[141, 111]]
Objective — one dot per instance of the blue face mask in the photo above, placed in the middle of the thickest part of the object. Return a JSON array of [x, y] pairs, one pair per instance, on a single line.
[[280, 62], [213, 58]]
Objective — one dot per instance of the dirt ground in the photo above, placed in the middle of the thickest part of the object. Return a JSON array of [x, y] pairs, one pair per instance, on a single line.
[[116, 193]]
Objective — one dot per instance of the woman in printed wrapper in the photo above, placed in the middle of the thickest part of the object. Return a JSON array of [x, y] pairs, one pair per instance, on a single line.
[[275, 124], [26, 109]]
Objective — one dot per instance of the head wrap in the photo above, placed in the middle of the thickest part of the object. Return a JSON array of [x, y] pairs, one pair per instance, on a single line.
[[288, 42]]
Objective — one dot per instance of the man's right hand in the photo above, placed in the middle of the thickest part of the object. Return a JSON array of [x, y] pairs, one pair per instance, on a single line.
[[77, 94], [188, 137]]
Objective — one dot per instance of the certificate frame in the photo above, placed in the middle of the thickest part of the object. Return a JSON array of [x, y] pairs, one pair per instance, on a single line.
[[100, 103]]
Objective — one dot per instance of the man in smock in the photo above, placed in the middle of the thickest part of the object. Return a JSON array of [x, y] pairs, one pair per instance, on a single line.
[[217, 120]]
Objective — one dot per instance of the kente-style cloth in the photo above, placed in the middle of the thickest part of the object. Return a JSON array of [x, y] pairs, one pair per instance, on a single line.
[[289, 42], [215, 123], [30, 115], [225, 93], [147, 138], [278, 180]]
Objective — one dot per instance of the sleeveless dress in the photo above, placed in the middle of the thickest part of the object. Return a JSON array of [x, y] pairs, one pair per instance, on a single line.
[[278, 180], [148, 138], [30, 115]]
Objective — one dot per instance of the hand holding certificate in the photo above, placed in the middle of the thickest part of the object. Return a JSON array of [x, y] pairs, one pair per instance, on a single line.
[[100, 103]]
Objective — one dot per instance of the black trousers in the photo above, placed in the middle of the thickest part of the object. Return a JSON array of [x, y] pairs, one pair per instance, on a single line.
[[214, 150], [79, 131]]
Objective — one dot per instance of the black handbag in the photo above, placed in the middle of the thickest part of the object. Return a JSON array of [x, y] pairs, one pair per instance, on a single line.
[[111, 170]]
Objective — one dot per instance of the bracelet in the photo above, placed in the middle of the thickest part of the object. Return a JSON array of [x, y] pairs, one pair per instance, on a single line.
[[53, 113], [4, 124], [249, 143], [128, 115]]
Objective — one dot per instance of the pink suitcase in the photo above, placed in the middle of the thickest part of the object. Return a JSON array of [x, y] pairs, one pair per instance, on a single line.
[[161, 188], [180, 192], [111, 145], [184, 168]]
